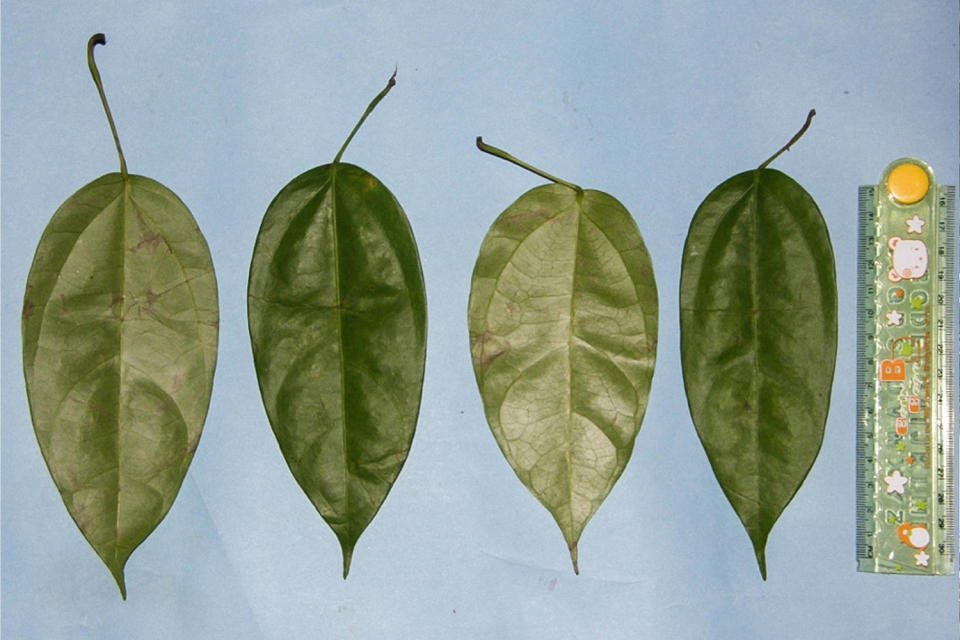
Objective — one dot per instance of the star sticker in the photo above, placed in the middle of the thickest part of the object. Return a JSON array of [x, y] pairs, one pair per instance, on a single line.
[[915, 225], [922, 558], [895, 482], [894, 318]]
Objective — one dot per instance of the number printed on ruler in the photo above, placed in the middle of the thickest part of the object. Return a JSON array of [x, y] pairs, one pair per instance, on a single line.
[[905, 351]]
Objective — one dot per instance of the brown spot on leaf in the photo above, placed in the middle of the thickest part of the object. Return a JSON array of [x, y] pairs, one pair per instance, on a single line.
[[148, 240], [176, 384], [81, 516], [487, 347], [28, 309], [523, 217], [166, 405], [151, 298], [116, 304]]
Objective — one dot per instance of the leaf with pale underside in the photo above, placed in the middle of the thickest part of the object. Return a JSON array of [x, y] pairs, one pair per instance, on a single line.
[[758, 339], [119, 328], [563, 333], [337, 314]]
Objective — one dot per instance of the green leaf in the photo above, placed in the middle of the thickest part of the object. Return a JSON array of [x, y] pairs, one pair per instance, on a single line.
[[119, 347], [563, 334], [758, 339], [337, 313]]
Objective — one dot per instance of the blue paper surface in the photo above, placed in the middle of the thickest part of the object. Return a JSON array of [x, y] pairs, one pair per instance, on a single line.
[[655, 103]]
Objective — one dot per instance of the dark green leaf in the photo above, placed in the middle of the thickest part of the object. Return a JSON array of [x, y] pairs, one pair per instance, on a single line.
[[758, 340], [119, 348], [337, 314], [563, 332]]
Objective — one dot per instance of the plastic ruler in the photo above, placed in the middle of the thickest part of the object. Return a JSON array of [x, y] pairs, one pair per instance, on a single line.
[[906, 332]]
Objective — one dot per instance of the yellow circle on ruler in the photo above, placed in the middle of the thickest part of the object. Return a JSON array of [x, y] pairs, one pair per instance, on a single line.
[[908, 183]]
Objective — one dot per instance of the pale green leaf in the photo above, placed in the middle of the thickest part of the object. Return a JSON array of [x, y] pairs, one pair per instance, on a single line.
[[563, 332], [119, 349], [119, 328]]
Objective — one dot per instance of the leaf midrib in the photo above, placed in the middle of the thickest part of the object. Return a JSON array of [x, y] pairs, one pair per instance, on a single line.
[[125, 182], [759, 374], [753, 209], [568, 425], [339, 315]]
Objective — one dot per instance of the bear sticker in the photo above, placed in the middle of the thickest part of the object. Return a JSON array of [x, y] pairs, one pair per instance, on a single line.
[[909, 259]]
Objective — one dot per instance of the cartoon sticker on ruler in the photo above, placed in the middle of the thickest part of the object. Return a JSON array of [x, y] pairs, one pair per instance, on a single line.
[[918, 316], [909, 259], [915, 536], [915, 224], [913, 404], [894, 369], [901, 426], [896, 482]]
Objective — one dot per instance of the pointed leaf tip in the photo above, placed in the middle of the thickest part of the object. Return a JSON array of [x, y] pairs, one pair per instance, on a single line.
[[347, 557], [121, 582], [573, 558], [762, 563]]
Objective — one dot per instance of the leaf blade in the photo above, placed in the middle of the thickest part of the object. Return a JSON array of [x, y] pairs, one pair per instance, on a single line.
[[758, 301], [563, 293], [336, 287], [119, 328]]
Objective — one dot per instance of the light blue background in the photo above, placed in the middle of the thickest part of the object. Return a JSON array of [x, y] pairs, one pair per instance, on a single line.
[[653, 102]]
